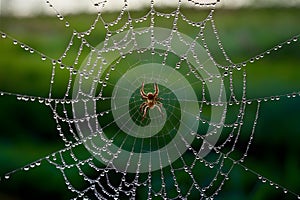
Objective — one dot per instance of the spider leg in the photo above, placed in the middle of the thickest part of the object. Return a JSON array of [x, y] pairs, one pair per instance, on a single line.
[[156, 89], [157, 99], [142, 106], [158, 106], [159, 103], [145, 112], [143, 94]]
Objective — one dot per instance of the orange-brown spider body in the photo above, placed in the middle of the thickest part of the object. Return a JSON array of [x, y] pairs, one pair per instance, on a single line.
[[151, 100]]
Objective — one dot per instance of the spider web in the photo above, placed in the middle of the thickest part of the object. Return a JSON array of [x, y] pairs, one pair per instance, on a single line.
[[189, 151]]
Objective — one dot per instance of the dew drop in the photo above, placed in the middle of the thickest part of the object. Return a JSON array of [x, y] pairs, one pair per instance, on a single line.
[[15, 42], [271, 183], [26, 168], [60, 17], [43, 58], [38, 163], [3, 35], [25, 98], [7, 176]]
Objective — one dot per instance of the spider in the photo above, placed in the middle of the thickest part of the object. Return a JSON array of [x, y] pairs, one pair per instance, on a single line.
[[151, 100]]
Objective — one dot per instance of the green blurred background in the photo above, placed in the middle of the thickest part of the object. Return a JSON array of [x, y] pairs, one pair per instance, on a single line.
[[28, 130]]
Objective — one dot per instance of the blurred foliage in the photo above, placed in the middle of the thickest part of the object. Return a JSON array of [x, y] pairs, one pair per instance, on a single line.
[[28, 130]]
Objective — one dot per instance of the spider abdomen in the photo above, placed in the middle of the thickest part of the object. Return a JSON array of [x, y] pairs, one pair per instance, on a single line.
[[150, 96]]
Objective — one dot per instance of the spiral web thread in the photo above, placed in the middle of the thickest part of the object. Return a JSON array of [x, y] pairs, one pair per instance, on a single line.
[[104, 180]]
